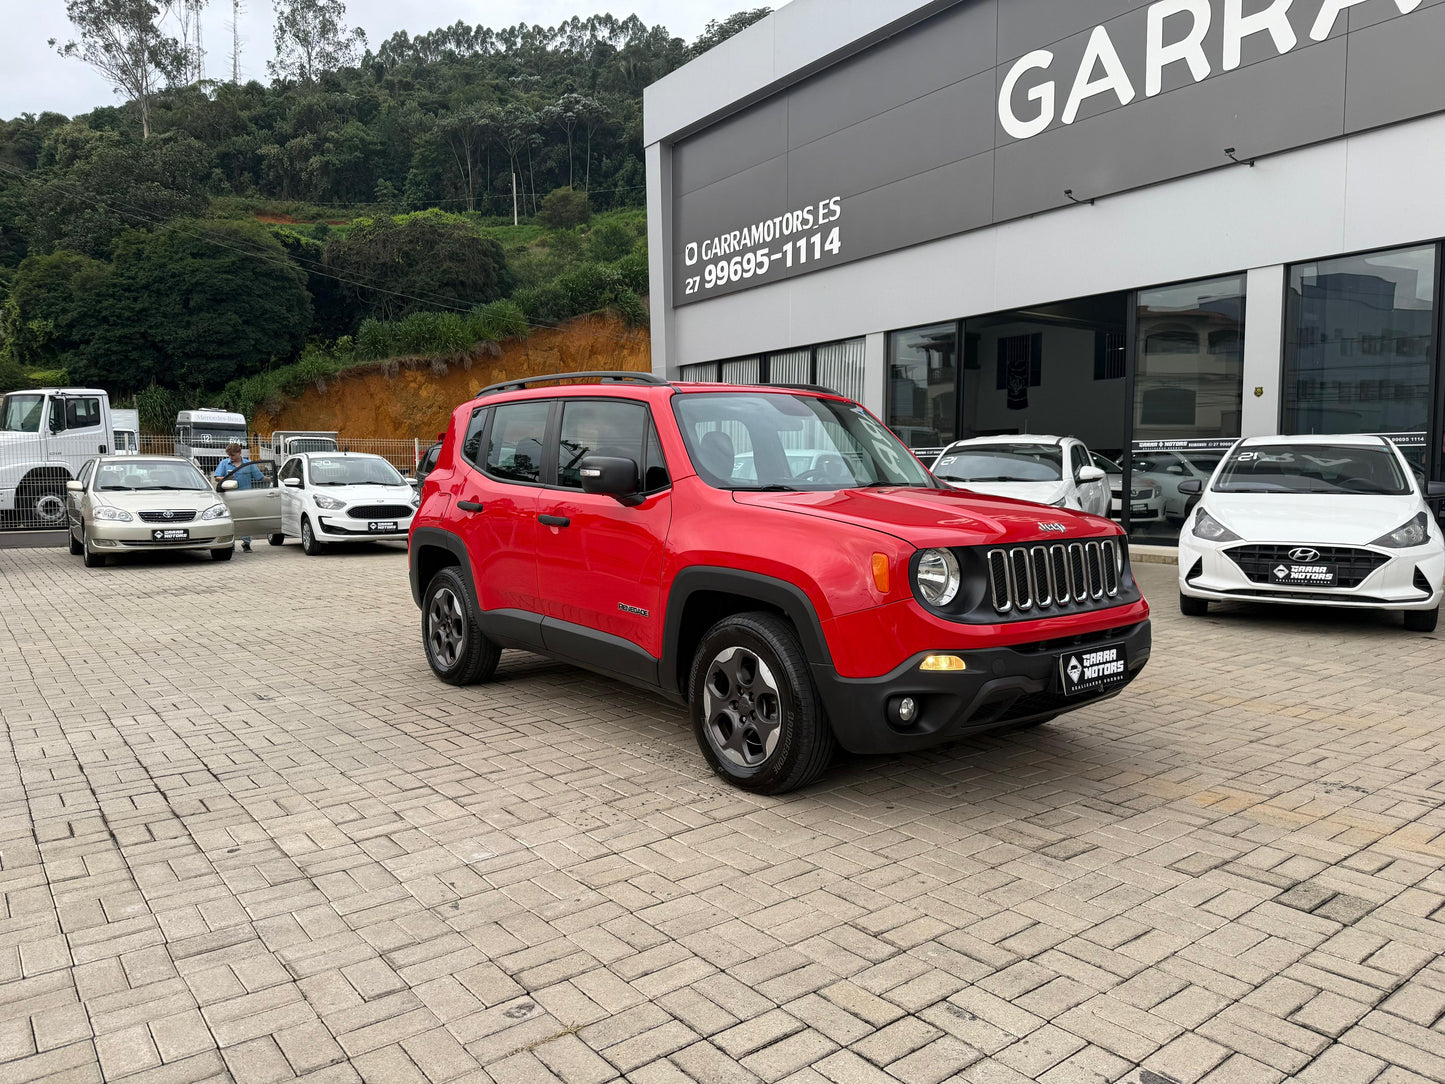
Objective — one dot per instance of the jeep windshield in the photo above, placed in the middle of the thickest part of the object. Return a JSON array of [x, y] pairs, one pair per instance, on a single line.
[[774, 441], [1002, 463], [21, 413], [1314, 469]]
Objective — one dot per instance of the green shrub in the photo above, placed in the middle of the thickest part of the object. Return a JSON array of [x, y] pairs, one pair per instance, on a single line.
[[634, 271], [609, 241], [373, 340], [499, 320], [564, 208]]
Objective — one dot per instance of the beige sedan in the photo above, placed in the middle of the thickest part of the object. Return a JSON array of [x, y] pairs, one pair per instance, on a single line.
[[128, 504]]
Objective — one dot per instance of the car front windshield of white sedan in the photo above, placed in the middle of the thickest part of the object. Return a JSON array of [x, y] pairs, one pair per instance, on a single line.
[[1314, 469], [1003, 463], [140, 475], [354, 471]]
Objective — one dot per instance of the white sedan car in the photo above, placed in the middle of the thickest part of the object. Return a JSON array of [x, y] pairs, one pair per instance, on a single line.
[[1314, 521], [1046, 470], [329, 497]]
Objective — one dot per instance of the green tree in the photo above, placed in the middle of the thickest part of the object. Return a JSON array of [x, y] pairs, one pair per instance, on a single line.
[[92, 186], [564, 209], [44, 318], [312, 38], [718, 31], [122, 40], [410, 263]]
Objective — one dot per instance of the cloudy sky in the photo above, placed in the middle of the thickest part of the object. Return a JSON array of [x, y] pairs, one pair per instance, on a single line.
[[34, 79]]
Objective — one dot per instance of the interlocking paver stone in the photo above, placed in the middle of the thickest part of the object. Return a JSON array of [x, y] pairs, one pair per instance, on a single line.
[[303, 858]]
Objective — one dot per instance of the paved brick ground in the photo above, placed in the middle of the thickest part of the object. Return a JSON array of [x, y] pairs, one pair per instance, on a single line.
[[245, 836]]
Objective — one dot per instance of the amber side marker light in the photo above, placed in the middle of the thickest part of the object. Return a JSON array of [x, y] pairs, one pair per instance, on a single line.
[[880, 572], [943, 663]]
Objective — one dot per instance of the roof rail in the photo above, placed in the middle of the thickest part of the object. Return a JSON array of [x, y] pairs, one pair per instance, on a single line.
[[809, 387], [550, 378]]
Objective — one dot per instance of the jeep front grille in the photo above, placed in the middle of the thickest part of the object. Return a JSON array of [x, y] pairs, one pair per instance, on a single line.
[[1055, 577]]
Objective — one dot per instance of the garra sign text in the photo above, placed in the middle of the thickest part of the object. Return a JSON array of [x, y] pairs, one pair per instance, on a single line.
[[1029, 97]]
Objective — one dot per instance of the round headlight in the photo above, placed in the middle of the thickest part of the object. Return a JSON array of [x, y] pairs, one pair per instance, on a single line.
[[938, 578]]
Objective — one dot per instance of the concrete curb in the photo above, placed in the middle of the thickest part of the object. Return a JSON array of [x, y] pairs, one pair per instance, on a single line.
[[31, 540], [1154, 555]]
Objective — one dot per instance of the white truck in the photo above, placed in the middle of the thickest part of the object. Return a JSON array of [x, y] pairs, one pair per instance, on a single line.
[[46, 436], [202, 436], [127, 431], [285, 443]]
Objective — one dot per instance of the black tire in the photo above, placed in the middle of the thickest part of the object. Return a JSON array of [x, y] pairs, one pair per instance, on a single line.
[[456, 650], [275, 539], [223, 554], [76, 549], [755, 712], [1193, 607], [1422, 620], [309, 545], [92, 559]]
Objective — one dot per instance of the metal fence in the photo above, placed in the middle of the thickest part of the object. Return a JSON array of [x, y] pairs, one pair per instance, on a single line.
[[33, 473]]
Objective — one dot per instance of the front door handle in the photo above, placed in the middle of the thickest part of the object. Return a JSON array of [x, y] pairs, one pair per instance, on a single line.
[[470, 506], [554, 521]]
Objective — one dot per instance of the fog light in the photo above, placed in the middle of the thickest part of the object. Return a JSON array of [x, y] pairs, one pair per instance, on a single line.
[[904, 710], [943, 663]]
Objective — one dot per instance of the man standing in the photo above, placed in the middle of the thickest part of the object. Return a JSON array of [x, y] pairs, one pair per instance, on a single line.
[[246, 474]]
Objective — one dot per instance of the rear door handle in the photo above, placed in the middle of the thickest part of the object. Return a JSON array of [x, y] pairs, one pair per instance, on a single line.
[[470, 506], [554, 521]]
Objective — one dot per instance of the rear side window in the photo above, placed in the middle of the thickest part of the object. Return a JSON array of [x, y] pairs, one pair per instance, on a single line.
[[615, 428], [514, 450], [472, 442]]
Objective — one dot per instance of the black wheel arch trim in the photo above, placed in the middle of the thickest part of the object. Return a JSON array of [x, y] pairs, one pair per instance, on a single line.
[[422, 537], [788, 598]]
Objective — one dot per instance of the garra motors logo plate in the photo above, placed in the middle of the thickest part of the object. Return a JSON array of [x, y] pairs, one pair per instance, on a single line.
[[1054, 528], [1304, 555]]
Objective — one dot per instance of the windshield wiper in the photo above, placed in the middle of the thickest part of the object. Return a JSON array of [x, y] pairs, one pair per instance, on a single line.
[[889, 485], [775, 487]]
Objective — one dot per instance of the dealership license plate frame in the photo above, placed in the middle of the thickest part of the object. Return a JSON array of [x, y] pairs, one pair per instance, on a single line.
[[1074, 667], [1319, 574], [171, 534], [383, 526]]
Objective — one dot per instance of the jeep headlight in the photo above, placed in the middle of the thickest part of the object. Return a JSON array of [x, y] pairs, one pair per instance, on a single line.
[[938, 577], [331, 504], [1211, 530], [216, 511], [1415, 533], [105, 512]]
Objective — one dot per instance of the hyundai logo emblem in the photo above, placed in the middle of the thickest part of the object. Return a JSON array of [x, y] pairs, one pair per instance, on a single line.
[[1304, 555]]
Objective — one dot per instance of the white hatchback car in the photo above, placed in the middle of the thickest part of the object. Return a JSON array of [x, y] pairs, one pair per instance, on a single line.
[[329, 497], [1046, 470], [1314, 521]]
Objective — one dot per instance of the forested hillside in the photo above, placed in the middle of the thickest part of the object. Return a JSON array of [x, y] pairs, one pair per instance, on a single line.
[[203, 234]]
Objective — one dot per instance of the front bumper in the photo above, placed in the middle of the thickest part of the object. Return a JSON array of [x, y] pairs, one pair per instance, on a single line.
[[341, 528], [1002, 687], [1207, 571], [118, 537]]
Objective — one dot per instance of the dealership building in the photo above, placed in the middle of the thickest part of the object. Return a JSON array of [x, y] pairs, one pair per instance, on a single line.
[[1154, 226]]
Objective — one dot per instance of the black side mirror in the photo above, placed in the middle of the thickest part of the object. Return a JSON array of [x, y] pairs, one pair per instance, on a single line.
[[1435, 491], [612, 477], [1191, 486]]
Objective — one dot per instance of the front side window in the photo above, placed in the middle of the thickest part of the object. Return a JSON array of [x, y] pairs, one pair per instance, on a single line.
[[764, 441], [157, 474], [354, 470], [85, 472], [1314, 469], [21, 413], [923, 385], [292, 469], [81, 413], [612, 428], [1021, 462], [514, 446]]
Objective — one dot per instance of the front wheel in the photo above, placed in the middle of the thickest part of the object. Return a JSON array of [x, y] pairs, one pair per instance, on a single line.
[[76, 549], [755, 712], [1422, 620], [223, 554], [1193, 607], [92, 559], [309, 545], [456, 650]]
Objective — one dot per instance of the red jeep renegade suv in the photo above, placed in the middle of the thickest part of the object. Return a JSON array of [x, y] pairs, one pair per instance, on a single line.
[[773, 557]]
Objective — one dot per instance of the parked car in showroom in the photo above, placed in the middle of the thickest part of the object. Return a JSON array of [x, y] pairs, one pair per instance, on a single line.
[[1314, 521], [1058, 471], [129, 504], [1170, 470], [332, 497], [663, 534], [1146, 499]]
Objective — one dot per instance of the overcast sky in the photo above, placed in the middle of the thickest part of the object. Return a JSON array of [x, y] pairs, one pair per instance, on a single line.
[[33, 79]]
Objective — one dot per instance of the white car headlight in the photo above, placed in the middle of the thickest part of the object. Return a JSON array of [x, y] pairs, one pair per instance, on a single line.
[[938, 577], [114, 515], [1414, 533], [331, 504], [216, 511], [1211, 530]]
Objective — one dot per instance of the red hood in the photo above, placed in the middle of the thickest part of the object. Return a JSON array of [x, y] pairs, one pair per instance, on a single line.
[[936, 517]]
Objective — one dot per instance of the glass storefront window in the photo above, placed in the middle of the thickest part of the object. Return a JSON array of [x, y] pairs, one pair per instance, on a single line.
[[923, 385], [1359, 346], [1189, 381]]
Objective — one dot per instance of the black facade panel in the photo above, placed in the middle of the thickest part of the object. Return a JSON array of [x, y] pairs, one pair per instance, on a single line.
[[1025, 25], [1395, 68], [733, 145]]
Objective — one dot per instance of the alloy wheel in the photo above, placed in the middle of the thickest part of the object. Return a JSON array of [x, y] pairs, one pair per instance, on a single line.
[[743, 709], [446, 627]]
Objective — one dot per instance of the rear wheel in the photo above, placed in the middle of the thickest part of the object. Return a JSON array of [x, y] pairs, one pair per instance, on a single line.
[[309, 545], [1192, 607], [456, 650], [1422, 620], [276, 539], [755, 712], [223, 554]]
